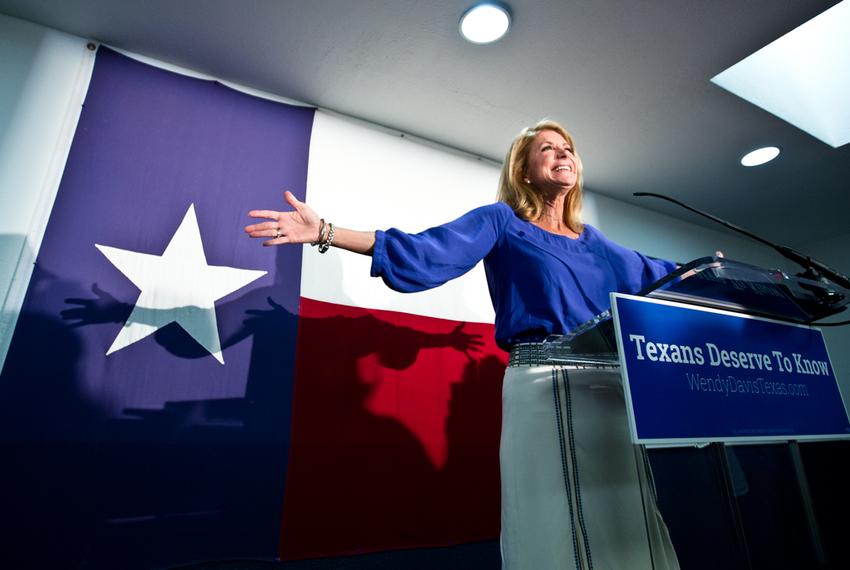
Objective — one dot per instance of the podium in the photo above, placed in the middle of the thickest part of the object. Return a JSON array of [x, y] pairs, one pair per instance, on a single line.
[[770, 312], [712, 282]]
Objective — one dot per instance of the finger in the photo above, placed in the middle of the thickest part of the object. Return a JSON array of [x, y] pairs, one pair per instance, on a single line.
[[277, 241], [268, 214], [274, 233], [292, 200], [265, 226], [265, 234]]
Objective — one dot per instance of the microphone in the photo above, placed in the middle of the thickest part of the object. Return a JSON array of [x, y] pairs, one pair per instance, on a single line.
[[814, 269]]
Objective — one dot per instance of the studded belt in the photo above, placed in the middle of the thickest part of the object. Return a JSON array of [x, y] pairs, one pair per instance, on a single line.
[[535, 354], [527, 354]]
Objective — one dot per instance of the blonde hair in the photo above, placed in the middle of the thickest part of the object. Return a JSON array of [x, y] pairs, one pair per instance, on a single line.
[[520, 195]]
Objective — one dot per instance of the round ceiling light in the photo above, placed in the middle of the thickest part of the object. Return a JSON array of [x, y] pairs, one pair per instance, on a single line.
[[760, 156], [485, 23]]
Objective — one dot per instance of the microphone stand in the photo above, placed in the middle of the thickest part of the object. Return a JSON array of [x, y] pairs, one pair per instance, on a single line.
[[814, 269]]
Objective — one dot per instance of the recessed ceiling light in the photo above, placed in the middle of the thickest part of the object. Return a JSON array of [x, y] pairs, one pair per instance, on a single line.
[[485, 23], [760, 156]]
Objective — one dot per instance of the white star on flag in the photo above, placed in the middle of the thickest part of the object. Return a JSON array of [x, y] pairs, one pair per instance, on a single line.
[[177, 287]]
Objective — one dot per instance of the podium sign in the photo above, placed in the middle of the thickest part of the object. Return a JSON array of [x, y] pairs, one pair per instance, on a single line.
[[694, 375]]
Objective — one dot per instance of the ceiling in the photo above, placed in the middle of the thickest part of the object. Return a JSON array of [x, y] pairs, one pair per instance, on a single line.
[[629, 79]]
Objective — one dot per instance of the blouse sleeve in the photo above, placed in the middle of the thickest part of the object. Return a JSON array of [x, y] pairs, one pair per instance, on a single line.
[[633, 270], [415, 262]]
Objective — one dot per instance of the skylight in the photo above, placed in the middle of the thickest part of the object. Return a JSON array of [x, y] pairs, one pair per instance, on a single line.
[[802, 77]]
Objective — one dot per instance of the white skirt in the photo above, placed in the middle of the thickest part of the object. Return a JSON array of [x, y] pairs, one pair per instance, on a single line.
[[576, 493]]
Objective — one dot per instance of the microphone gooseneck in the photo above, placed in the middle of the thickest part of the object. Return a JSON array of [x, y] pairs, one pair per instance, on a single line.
[[814, 269]]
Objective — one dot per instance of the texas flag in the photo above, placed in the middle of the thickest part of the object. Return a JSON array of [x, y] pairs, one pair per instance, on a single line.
[[176, 391]]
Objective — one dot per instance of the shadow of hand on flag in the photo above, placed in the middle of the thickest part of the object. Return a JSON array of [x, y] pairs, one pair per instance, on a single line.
[[103, 308]]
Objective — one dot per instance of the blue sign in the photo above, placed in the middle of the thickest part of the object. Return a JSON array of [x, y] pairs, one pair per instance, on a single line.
[[693, 374]]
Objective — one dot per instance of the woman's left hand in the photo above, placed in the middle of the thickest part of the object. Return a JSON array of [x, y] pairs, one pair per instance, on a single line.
[[298, 226]]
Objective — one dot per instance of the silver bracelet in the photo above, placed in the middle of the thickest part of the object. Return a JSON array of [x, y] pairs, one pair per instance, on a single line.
[[326, 245], [321, 231]]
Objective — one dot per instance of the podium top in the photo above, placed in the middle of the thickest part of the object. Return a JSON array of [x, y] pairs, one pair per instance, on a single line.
[[715, 282], [722, 283]]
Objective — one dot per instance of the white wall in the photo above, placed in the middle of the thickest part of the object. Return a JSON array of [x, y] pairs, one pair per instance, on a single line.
[[663, 236], [44, 75]]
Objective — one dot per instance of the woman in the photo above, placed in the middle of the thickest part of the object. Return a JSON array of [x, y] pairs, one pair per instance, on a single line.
[[547, 273]]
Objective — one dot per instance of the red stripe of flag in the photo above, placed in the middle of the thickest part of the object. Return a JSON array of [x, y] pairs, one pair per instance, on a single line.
[[395, 435]]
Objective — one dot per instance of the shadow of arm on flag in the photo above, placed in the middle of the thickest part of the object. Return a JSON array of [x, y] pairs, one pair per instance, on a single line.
[[104, 308], [403, 351], [457, 339]]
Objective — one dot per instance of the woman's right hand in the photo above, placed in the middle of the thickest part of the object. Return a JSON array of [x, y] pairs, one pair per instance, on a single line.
[[298, 226]]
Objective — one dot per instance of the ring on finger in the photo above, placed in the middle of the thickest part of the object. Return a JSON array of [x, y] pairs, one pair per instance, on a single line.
[[277, 233]]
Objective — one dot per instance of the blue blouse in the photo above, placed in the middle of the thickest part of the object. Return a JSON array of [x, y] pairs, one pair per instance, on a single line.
[[540, 283]]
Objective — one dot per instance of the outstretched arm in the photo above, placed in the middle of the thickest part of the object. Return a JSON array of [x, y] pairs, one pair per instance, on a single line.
[[301, 225]]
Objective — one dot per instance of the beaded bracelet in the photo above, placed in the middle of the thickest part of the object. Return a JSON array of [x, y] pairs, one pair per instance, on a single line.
[[326, 245], [321, 231]]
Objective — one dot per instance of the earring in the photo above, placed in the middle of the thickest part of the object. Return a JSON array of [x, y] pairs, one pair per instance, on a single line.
[[526, 180]]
